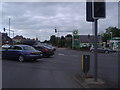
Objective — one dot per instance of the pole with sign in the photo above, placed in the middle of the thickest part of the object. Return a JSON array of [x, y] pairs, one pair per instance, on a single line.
[[95, 9], [74, 38]]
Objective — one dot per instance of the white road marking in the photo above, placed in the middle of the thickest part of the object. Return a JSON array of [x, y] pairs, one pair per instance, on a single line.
[[61, 54]]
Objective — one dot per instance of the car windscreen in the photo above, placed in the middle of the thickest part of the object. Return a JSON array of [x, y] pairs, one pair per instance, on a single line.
[[47, 47], [28, 48]]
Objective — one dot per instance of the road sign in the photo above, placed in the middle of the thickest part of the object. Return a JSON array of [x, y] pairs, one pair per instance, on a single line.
[[98, 12], [55, 30], [76, 41], [89, 15], [98, 9], [4, 29], [95, 9]]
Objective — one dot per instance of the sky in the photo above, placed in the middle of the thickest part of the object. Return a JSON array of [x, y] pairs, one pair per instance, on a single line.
[[39, 19]]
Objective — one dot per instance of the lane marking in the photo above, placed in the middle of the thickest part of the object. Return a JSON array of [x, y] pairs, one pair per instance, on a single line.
[[61, 54]]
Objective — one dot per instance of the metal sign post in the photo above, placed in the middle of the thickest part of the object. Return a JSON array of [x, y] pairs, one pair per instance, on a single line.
[[75, 32], [95, 49], [95, 10]]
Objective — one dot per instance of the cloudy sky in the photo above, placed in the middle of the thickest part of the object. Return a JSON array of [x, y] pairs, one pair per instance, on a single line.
[[32, 19]]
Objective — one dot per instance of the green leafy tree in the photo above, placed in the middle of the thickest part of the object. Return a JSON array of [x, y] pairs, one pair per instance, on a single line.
[[62, 41], [69, 40], [110, 30], [53, 40]]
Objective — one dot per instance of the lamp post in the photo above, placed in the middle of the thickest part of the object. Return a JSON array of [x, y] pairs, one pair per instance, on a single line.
[[111, 34]]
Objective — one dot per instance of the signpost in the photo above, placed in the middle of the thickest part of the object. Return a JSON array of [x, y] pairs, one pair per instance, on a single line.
[[95, 9], [75, 39], [89, 17]]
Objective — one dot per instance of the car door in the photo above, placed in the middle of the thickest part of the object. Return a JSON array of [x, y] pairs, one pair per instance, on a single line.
[[101, 49], [13, 52]]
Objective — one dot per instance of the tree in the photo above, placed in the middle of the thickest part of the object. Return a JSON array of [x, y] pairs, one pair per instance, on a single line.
[[46, 41], [62, 42], [53, 40], [110, 31], [69, 40]]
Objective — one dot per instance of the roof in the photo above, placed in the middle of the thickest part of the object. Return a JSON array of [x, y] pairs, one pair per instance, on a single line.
[[87, 38], [18, 37], [116, 38], [29, 42], [20, 45]]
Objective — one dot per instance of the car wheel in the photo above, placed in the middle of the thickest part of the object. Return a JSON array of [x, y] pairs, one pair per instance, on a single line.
[[92, 51], [106, 51], [46, 56], [21, 58], [34, 59]]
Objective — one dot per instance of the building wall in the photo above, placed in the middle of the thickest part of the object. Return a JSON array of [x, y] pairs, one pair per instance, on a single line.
[[6, 39]]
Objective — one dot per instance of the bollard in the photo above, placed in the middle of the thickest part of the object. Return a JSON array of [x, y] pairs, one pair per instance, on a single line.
[[85, 64]]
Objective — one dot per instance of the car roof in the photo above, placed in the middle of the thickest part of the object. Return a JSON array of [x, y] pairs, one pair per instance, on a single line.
[[20, 45]]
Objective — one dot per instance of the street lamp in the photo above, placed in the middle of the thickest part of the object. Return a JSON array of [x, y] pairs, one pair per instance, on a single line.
[[111, 34]]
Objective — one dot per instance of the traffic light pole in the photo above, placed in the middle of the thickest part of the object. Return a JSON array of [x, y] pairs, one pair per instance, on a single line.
[[95, 50], [9, 27], [9, 31]]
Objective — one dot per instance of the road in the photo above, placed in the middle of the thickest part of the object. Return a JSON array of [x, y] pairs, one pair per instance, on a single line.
[[57, 71]]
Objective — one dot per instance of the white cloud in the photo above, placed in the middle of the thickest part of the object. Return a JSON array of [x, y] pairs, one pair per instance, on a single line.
[[40, 18]]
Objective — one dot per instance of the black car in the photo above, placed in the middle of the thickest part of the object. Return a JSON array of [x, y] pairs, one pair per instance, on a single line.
[[47, 51], [50, 46]]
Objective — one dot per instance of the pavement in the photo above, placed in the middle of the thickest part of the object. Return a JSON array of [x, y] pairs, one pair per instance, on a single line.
[[89, 82]]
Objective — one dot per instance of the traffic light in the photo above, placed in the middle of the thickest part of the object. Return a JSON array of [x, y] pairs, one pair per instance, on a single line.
[[55, 30], [4, 29], [98, 9], [89, 15]]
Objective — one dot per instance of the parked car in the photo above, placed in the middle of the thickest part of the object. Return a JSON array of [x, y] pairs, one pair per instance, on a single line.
[[101, 49], [6, 46], [21, 53], [44, 48], [31, 42], [50, 46], [47, 51]]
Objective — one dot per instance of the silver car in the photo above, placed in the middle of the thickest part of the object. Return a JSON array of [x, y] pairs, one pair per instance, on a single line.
[[101, 49]]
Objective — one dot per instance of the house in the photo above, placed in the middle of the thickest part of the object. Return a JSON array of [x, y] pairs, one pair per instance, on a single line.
[[5, 39], [88, 40], [18, 39]]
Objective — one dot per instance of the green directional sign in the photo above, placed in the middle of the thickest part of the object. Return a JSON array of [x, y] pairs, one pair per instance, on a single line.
[[76, 41]]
